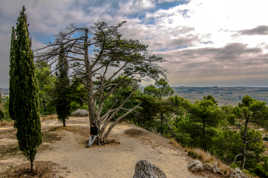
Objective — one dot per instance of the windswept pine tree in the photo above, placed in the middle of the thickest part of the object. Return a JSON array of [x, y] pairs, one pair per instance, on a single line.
[[62, 100], [24, 104]]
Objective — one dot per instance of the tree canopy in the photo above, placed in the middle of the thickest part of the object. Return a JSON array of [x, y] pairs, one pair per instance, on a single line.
[[103, 59]]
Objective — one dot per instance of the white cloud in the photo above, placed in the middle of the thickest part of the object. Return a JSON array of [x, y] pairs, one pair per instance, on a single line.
[[204, 27], [134, 6], [220, 19]]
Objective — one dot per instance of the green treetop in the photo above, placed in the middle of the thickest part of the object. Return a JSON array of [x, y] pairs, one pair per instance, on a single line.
[[62, 99]]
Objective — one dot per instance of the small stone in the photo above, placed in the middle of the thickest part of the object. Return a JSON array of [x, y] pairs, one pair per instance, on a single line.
[[144, 169], [195, 166]]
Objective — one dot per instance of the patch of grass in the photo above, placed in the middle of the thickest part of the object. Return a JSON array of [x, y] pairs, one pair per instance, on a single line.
[[201, 155], [194, 155], [175, 144], [206, 157], [43, 169], [135, 132]]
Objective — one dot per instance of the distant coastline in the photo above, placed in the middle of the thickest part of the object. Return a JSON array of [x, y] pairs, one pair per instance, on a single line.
[[224, 95]]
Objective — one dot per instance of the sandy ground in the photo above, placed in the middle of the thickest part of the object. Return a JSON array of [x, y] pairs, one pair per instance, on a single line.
[[66, 148]]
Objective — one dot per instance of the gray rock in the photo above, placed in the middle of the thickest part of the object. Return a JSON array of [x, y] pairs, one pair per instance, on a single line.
[[195, 166], [208, 167], [212, 168], [144, 169], [80, 113], [237, 173]]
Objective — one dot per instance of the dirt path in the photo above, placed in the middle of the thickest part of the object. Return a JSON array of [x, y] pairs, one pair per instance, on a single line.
[[109, 161]]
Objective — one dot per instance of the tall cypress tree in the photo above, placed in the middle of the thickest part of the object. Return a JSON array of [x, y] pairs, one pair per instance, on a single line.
[[12, 68], [63, 88], [24, 91], [1, 107]]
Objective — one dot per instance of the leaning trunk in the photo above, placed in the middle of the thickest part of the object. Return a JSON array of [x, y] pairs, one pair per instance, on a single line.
[[89, 86], [104, 134], [89, 83]]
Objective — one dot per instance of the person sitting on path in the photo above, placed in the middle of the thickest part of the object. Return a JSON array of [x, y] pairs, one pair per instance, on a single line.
[[94, 131]]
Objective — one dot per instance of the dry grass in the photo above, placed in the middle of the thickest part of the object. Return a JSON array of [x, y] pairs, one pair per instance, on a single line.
[[43, 169], [206, 157], [175, 144], [6, 123], [133, 132]]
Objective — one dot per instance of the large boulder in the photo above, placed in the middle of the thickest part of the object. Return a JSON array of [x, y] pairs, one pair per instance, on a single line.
[[80, 113], [144, 169], [195, 166]]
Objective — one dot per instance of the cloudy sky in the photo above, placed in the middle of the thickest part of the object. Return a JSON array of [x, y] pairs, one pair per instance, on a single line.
[[204, 42]]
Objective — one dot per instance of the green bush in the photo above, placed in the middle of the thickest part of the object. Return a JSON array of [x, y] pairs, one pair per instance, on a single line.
[[231, 119], [261, 171]]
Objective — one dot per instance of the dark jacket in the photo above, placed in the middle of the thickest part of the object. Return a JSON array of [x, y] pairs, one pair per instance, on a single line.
[[94, 130]]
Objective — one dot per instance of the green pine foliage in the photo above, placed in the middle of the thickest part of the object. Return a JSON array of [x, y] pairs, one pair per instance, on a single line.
[[24, 103], [204, 124], [78, 95], [62, 99], [206, 115]]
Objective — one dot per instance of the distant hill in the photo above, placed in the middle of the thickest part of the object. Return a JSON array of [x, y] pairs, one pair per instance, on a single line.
[[224, 95]]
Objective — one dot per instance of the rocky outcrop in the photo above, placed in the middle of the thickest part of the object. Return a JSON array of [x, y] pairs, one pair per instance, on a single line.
[[195, 166], [212, 168], [237, 173], [144, 169], [198, 166], [80, 113]]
